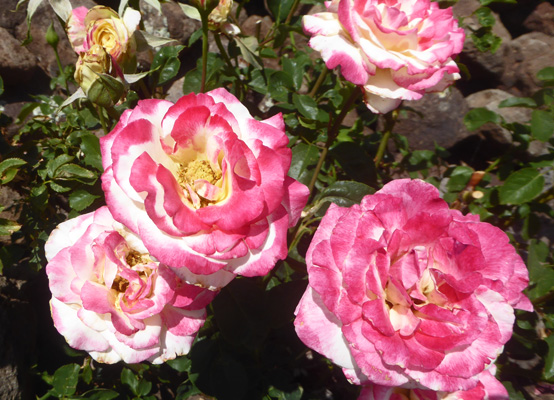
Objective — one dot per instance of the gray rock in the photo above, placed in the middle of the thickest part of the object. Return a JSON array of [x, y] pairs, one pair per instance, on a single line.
[[491, 98], [528, 54], [443, 120], [542, 19], [9, 18], [17, 64]]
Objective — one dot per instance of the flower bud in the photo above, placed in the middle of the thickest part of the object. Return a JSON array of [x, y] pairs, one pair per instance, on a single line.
[[90, 65], [94, 72], [52, 37]]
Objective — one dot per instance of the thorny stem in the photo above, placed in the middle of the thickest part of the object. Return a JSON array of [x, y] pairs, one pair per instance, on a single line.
[[390, 119]]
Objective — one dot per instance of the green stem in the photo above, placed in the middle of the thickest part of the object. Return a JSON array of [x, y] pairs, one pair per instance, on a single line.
[[58, 61], [292, 10], [102, 119], [332, 134], [205, 29], [319, 82], [390, 119], [228, 62]]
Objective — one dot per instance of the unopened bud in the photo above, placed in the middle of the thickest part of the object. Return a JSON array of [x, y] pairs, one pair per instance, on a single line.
[[90, 65], [52, 37]]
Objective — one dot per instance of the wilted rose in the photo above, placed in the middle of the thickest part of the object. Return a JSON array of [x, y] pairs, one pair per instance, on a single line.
[[103, 26], [404, 291], [111, 299], [204, 185], [394, 49], [219, 14]]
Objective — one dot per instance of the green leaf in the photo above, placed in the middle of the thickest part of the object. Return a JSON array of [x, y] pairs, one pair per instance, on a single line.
[[304, 156], [144, 387], [1, 86], [477, 117], [249, 49], [546, 75], [542, 125], [257, 82], [280, 83], [129, 379], [484, 16], [90, 146], [343, 194], [9, 168], [518, 102], [73, 171], [105, 91], [81, 199], [65, 379], [549, 360], [305, 105], [485, 40], [53, 165], [279, 395], [166, 64], [280, 8], [521, 186], [459, 178], [180, 364]]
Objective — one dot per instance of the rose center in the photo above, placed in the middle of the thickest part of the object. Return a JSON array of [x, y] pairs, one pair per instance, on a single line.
[[197, 169], [135, 258], [120, 284], [201, 182]]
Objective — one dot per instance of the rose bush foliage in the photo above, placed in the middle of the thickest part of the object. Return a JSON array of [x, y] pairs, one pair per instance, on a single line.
[[395, 50], [204, 185], [111, 299], [103, 26], [404, 291]]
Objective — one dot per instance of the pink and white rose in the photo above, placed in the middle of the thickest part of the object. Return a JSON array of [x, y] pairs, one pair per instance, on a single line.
[[103, 26], [111, 299], [405, 292], [488, 388], [204, 185], [394, 49]]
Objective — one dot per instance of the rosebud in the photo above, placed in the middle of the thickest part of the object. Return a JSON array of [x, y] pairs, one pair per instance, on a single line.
[[90, 65], [52, 37], [92, 73]]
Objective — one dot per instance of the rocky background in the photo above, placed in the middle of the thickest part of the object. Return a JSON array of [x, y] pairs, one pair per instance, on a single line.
[[527, 32]]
